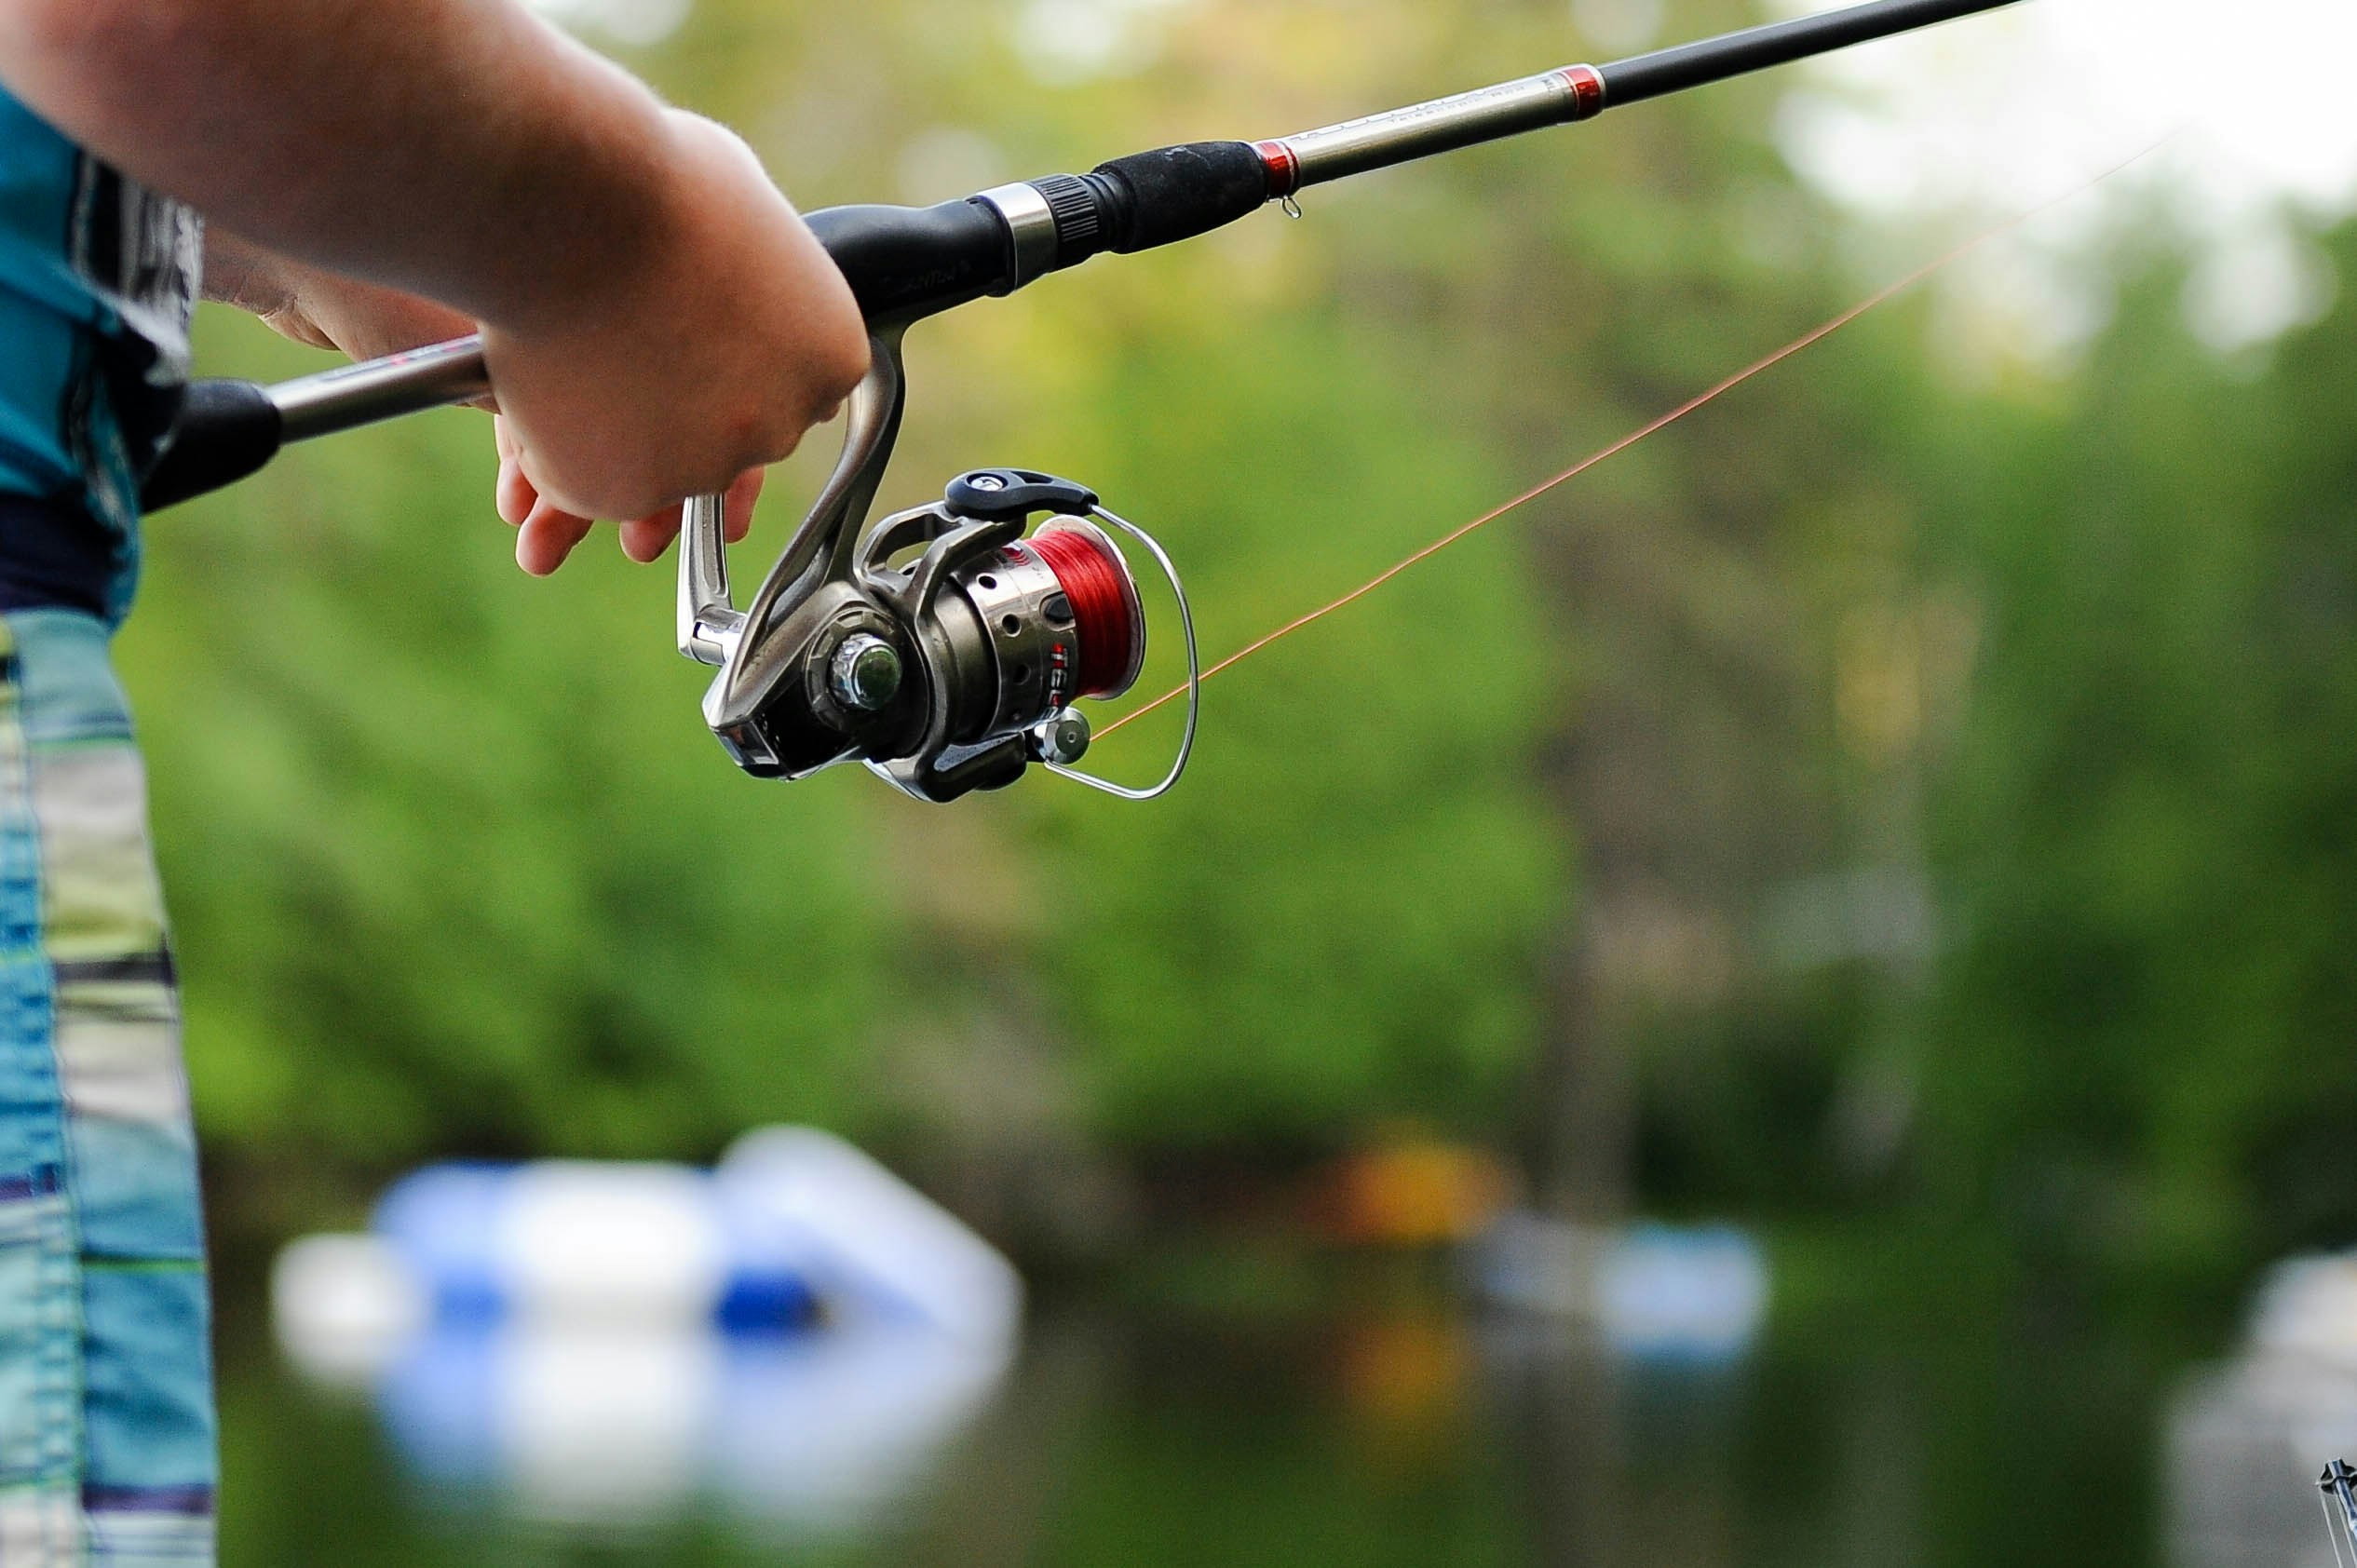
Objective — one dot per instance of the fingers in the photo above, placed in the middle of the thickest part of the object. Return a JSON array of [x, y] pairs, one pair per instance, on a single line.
[[547, 534], [645, 539], [511, 493], [737, 520]]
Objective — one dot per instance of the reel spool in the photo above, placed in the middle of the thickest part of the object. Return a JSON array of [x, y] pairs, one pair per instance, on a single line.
[[944, 647]]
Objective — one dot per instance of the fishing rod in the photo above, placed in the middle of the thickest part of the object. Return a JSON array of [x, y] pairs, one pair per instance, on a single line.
[[946, 646]]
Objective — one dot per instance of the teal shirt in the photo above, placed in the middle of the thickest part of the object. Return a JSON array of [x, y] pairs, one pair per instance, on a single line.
[[98, 278]]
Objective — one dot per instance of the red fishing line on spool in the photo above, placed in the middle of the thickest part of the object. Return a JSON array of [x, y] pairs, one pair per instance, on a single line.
[[1105, 606]]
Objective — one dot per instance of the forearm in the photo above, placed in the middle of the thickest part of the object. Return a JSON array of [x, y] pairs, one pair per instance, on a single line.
[[240, 272], [458, 149], [322, 308]]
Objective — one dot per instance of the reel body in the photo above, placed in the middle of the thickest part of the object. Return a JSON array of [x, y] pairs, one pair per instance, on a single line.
[[944, 647]]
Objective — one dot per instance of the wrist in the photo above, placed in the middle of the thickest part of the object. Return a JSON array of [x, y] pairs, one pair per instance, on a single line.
[[240, 272], [611, 252]]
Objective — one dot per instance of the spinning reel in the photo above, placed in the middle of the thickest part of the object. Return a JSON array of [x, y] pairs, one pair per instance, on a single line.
[[942, 646]]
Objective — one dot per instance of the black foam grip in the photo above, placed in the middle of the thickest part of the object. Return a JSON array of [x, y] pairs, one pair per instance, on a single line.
[[1176, 193], [226, 430], [903, 263]]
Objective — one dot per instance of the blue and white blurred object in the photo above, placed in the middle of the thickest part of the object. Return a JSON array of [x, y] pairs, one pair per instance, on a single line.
[[798, 1332], [1666, 1293]]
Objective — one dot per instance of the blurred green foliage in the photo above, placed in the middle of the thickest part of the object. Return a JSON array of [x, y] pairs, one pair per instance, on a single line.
[[456, 868], [2062, 657], [2146, 830]]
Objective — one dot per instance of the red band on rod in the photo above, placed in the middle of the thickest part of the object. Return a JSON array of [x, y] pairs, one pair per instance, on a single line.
[[1587, 90], [1285, 169]]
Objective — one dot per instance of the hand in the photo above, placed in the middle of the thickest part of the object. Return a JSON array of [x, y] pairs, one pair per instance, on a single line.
[[607, 403], [684, 376], [656, 319], [365, 322], [546, 534]]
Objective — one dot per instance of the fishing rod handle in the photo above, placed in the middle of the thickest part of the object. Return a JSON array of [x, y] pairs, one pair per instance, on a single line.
[[904, 263], [229, 429]]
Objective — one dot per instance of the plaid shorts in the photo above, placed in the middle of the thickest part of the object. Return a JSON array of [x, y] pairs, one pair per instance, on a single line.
[[107, 1424]]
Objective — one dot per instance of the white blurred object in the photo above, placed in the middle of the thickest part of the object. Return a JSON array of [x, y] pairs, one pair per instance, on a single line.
[[865, 1240], [2307, 1306], [791, 1214], [2245, 1441], [2247, 1438], [343, 1306], [823, 1434], [1617, 27], [1070, 41], [2011, 104], [1662, 1293], [575, 1239], [1697, 1293], [1992, 115], [602, 1423]]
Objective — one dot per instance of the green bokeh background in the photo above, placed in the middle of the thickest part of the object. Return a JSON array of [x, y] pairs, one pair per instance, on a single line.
[[2032, 677]]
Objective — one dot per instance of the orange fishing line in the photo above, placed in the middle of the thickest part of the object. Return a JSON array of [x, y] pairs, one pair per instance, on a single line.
[[1652, 427]]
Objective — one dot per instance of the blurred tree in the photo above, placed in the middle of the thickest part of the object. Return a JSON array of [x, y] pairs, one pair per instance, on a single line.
[[2145, 833], [455, 870], [1951, 778]]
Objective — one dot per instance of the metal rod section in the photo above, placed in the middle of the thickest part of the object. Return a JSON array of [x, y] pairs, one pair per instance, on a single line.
[[1422, 129], [1759, 48], [1579, 92], [351, 395]]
